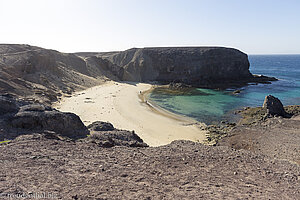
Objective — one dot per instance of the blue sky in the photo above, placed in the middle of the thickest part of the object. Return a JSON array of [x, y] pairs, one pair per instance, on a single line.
[[253, 26]]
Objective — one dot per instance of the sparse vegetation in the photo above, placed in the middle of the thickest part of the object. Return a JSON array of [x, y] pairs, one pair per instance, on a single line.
[[5, 141]]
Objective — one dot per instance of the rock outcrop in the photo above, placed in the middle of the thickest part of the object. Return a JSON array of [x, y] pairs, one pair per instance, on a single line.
[[20, 117], [38, 117], [116, 138], [105, 135], [100, 126], [274, 106]]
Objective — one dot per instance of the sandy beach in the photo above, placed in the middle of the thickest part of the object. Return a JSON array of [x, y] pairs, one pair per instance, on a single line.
[[121, 104]]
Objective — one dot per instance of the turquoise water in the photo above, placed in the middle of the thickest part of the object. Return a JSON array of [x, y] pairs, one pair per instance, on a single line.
[[212, 106]]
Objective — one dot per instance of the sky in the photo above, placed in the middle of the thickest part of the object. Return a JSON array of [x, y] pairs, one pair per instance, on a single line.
[[253, 26]]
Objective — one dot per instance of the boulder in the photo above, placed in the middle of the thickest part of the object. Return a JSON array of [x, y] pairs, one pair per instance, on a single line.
[[236, 92], [100, 126], [116, 138], [40, 118], [274, 106]]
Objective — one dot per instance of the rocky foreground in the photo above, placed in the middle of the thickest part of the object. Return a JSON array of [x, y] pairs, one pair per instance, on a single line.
[[181, 170], [71, 161]]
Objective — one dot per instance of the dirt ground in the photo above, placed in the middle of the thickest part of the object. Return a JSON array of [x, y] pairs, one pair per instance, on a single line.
[[32, 165], [276, 137]]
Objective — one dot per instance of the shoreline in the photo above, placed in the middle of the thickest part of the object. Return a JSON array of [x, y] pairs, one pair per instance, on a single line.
[[126, 106], [159, 110]]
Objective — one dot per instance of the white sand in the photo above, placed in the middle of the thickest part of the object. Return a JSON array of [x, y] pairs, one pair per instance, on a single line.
[[119, 104]]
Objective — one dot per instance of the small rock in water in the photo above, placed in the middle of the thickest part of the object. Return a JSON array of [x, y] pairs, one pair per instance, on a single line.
[[236, 91]]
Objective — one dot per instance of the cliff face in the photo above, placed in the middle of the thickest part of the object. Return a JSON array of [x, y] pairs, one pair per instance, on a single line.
[[44, 74], [192, 65]]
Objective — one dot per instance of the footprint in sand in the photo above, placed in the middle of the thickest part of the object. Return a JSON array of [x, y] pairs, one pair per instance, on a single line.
[[89, 102]]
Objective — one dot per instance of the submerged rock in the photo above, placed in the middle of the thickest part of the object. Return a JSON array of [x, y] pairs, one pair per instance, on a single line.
[[274, 106], [179, 86], [236, 92]]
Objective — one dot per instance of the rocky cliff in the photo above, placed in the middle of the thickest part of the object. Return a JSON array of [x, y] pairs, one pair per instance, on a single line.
[[194, 65], [37, 73]]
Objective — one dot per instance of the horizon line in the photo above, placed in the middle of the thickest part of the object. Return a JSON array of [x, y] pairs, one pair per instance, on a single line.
[[171, 46]]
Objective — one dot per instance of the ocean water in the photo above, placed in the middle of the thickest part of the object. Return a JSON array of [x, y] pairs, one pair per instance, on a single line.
[[212, 106]]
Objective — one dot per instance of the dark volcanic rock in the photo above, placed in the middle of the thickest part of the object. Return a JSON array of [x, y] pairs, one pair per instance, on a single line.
[[263, 79], [38, 118], [19, 118], [7, 105], [236, 92], [35, 107], [274, 106], [116, 138], [100, 126], [199, 66]]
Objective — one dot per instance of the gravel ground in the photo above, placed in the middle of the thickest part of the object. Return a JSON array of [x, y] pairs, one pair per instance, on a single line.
[[181, 170], [278, 138]]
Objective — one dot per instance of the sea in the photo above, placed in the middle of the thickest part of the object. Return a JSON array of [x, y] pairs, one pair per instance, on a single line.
[[212, 106]]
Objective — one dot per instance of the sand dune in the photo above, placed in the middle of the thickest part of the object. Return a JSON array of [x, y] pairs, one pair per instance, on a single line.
[[119, 104]]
